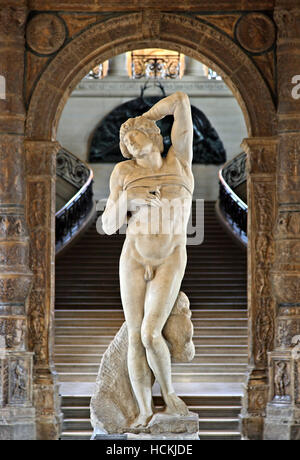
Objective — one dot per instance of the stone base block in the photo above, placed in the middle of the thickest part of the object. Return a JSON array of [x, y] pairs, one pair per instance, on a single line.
[[17, 424], [49, 417], [147, 437], [165, 423], [164, 437], [282, 423], [162, 426], [251, 427]]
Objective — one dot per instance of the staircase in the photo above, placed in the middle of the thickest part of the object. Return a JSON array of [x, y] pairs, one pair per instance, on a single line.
[[88, 315]]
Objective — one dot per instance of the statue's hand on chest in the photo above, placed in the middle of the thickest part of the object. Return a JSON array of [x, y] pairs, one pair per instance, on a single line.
[[143, 196]]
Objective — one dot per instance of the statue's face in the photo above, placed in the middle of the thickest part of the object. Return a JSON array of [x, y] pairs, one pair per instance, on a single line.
[[138, 144]]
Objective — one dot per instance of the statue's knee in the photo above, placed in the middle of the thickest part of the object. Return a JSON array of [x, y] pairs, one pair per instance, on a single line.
[[134, 338], [150, 337]]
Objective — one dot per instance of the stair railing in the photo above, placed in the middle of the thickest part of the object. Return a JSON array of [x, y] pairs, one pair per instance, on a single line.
[[71, 217], [232, 206]]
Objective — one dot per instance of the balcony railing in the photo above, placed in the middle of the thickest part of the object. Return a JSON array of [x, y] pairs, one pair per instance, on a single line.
[[72, 216], [148, 66], [231, 205]]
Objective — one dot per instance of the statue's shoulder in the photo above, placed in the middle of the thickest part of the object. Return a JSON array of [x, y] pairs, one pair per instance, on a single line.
[[122, 169]]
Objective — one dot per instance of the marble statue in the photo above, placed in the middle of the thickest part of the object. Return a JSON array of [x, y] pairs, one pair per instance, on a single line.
[[153, 195]]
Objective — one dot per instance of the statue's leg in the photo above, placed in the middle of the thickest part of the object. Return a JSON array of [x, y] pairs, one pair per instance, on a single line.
[[133, 289], [161, 295]]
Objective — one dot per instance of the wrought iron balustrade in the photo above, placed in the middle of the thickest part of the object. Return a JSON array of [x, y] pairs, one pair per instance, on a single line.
[[166, 66], [72, 215], [234, 209], [98, 72]]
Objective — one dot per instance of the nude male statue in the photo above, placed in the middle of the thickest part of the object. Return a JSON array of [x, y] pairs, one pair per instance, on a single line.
[[153, 260]]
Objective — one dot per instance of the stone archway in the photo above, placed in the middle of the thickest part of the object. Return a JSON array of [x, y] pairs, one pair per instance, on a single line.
[[202, 41], [138, 30]]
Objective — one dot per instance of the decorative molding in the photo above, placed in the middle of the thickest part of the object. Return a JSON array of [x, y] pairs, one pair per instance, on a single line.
[[287, 21], [261, 155], [287, 328], [119, 5], [12, 21], [265, 329], [255, 32], [197, 87], [45, 33], [151, 23], [288, 224], [286, 286], [12, 333]]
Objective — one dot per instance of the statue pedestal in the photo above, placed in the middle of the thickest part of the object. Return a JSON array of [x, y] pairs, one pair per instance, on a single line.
[[17, 424], [147, 437], [282, 422], [161, 427]]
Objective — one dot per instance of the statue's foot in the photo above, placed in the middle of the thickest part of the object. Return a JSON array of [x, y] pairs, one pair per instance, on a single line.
[[175, 405], [141, 421]]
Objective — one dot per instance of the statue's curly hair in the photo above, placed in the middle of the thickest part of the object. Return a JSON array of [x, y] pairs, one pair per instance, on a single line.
[[146, 126]]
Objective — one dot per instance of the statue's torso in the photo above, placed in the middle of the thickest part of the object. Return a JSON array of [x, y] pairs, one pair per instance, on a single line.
[[154, 232]]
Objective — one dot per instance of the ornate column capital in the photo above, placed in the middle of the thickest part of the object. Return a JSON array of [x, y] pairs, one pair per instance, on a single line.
[[151, 20], [261, 154]]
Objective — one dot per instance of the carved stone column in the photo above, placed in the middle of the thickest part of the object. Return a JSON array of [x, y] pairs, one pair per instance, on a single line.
[[193, 68], [40, 174], [261, 165], [17, 414], [117, 66], [283, 410]]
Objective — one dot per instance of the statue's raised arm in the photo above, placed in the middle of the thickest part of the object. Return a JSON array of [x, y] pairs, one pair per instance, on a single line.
[[178, 105]]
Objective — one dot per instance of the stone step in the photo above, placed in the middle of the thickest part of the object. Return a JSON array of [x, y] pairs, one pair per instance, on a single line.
[[77, 424], [105, 340], [105, 325], [207, 435], [231, 424], [106, 287], [200, 349], [213, 412], [218, 423], [76, 435], [221, 377], [91, 295], [96, 358], [176, 368], [119, 315], [200, 303], [104, 270], [203, 435], [205, 401], [103, 331]]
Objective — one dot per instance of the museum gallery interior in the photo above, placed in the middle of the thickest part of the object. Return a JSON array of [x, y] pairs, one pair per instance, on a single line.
[[186, 113]]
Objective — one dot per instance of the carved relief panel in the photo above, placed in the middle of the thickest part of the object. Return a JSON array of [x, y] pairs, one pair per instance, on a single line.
[[289, 169], [16, 379], [12, 333], [40, 168], [261, 166], [285, 276]]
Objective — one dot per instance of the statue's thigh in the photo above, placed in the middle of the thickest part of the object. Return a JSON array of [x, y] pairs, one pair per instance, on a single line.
[[133, 291], [163, 290]]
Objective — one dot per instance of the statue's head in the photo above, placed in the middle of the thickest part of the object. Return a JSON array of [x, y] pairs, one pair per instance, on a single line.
[[140, 136]]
